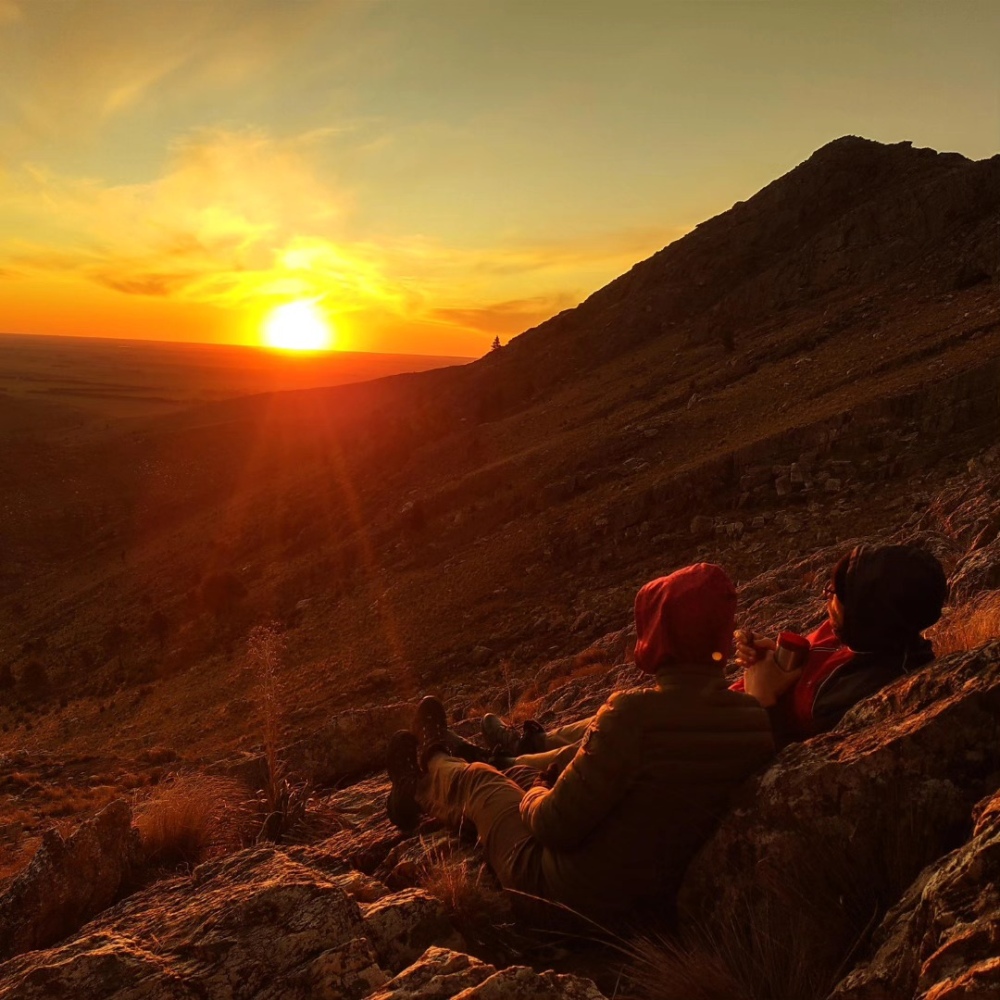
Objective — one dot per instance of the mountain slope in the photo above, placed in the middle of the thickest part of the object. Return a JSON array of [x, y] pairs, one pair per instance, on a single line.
[[454, 526]]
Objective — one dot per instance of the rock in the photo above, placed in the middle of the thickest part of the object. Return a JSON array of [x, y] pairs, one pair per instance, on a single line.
[[941, 940], [832, 485], [782, 486], [584, 620], [481, 655], [68, 881], [844, 822], [977, 572], [702, 525], [367, 836], [522, 983], [403, 925], [439, 974], [253, 926], [350, 744]]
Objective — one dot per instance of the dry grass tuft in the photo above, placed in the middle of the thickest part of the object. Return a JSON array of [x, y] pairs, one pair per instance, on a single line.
[[969, 625], [190, 819], [477, 907]]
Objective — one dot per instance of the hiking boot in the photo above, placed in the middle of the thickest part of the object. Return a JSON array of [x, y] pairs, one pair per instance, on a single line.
[[506, 741], [431, 726], [464, 750], [404, 773], [500, 737]]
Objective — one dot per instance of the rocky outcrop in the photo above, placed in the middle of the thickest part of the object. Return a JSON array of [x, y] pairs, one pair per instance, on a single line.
[[349, 744], [942, 940], [260, 925], [439, 974], [68, 881], [404, 925], [838, 828], [254, 925]]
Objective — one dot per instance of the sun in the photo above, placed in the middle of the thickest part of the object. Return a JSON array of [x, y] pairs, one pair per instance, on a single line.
[[298, 326]]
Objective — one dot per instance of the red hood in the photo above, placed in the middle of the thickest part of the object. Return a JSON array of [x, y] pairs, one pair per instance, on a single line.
[[686, 617]]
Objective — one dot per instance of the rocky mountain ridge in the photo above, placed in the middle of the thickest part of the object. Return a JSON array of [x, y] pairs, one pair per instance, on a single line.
[[814, 367]]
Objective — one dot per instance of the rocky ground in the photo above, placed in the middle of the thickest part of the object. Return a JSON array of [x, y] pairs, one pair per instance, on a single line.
[[861, 865]]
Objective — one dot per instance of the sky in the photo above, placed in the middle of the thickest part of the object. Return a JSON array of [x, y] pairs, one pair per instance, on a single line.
[[429, 174]]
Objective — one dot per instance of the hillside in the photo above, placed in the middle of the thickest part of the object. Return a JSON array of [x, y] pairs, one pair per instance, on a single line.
[[803, 369]]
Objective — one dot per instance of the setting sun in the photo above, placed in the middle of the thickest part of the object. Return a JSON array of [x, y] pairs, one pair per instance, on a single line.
[[298, 326]]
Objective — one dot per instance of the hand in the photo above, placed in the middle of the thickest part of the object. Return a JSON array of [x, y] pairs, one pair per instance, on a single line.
[[767, 682], [747, 655], [548, 777]]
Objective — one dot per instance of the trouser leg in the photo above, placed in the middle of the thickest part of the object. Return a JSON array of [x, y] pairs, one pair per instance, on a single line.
[[564, 736], [561, 746], [453, 791]]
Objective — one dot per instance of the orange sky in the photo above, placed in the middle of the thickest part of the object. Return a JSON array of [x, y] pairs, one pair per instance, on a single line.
[[432, 174]]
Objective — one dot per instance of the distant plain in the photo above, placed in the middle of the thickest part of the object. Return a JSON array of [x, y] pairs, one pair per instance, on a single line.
[[135, 378]]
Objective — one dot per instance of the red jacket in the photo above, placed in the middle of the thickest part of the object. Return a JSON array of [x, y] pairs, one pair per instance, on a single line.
[[794, 715]]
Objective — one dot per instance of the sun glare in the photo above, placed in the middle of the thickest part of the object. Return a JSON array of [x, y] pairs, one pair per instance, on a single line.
[[298, 326]]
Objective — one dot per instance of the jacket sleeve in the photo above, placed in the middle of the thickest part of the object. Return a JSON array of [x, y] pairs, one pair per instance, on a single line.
[[593, 782]]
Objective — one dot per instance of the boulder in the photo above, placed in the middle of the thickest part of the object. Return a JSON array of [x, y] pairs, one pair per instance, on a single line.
[[68, 881], [839, 826], [439, 974], [978, 571], [403, 925], [366, 836], [942, 940], [253, 926], [519, 982], [350, 744]]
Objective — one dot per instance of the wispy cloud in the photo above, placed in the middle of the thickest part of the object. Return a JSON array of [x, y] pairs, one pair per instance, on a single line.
[[242, 219]]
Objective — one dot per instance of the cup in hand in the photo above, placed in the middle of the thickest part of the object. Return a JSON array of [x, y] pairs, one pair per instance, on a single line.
[[792, 651]]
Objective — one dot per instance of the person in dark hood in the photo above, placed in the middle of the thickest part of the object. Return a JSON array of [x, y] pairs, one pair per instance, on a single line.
[[880, 601], [646, 785]]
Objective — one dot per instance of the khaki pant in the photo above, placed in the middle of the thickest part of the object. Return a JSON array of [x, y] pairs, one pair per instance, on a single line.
[[561, 746], [453, 791]]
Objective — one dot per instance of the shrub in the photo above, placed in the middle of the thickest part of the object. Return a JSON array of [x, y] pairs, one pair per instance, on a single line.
[[281, 801], [34, 678], [190, 819], [158, 627]]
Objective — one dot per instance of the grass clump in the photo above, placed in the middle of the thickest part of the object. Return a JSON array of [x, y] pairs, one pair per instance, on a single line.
[[189, 819], [968, 625], [477, 907]]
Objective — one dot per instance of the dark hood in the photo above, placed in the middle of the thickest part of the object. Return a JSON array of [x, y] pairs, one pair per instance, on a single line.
[[889, 595]]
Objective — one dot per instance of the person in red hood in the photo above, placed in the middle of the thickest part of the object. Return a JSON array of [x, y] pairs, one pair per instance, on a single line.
[[646, 785], [880, 599]]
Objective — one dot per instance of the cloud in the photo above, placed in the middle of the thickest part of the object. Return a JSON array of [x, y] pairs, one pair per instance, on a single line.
[[242, 220], [505, 317]]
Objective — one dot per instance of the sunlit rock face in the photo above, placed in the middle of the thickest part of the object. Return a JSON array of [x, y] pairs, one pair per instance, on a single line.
[[68, 881], [840, 826], [940, 940]]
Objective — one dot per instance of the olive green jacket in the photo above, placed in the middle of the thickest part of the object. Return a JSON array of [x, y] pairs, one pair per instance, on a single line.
[[650, 781]]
